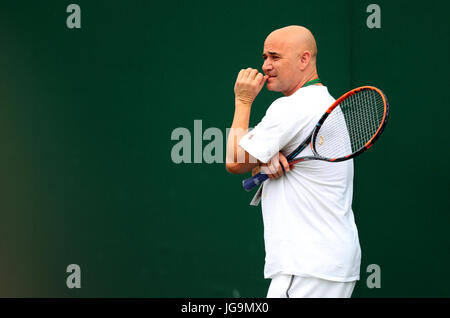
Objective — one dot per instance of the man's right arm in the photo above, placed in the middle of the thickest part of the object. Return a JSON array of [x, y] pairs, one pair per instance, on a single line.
[[239, 161], [248, 85]]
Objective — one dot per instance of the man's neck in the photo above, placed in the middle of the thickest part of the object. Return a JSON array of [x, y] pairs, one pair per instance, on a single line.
[[302, 82]]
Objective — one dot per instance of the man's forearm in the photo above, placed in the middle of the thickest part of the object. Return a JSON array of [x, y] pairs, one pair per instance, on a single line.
[[248, 85], [238, 160], [239, 128]]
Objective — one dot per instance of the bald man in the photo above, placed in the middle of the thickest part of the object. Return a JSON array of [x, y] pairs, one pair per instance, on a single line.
[[310, 236]]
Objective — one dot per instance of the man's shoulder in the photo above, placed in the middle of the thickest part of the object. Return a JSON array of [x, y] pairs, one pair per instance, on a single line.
[[303, 101]]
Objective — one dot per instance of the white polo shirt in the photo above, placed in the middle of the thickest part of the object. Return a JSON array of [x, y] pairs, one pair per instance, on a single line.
[[309, 227]]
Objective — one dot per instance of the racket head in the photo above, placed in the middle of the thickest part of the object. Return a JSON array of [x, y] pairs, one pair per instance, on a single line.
[[351, 125]]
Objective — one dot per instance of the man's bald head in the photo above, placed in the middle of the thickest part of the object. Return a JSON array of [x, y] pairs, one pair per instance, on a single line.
[[289, 58], [295, 38]]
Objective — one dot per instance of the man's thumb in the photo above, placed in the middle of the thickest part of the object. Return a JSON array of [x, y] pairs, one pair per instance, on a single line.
[[264, 80]]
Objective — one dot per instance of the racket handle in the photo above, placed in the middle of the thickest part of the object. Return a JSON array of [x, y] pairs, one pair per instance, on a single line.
[[252, 182]]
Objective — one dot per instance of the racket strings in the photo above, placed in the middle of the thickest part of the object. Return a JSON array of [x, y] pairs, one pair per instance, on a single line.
[[364, 115], [352, 124]]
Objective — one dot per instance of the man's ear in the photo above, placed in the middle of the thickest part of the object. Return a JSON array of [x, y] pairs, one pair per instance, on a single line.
[[304, 60]]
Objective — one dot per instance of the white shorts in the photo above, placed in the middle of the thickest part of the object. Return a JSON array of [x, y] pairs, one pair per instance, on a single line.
[[290, 286]]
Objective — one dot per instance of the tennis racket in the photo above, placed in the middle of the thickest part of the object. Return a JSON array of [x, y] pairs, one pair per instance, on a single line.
[[348, 128]]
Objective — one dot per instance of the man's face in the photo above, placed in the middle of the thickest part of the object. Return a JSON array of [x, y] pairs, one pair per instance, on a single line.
[[281, 64]]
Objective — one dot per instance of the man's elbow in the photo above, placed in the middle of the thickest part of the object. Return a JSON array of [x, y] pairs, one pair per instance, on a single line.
[[232, 167], [239, 168]]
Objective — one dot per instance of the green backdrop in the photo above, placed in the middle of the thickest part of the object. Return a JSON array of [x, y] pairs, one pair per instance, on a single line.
[[86, 117]]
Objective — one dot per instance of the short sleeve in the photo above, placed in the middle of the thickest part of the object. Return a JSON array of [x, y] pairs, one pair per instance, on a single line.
[[277, 128]]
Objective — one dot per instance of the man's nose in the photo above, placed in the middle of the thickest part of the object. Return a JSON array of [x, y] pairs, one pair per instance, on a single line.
[[267, 66]]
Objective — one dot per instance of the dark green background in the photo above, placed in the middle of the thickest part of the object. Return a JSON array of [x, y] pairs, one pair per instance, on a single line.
[[86, 118]]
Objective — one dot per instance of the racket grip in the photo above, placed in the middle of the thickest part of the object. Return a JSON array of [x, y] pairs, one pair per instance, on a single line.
[[252, 182]]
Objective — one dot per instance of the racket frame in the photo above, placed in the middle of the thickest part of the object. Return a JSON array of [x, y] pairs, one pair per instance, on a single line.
[[312, 137]]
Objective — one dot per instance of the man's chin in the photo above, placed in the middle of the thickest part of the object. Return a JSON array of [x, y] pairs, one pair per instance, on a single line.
[[273, 88]]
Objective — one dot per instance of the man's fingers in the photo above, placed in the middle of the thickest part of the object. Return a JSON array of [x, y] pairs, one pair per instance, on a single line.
[[272, 169], [247, 73], [277, 166], [268, 169], [260, 79], [284, 163], [264, 79], [279, 171], [252, 75], [276, 175], [256, 170], [241, 74]]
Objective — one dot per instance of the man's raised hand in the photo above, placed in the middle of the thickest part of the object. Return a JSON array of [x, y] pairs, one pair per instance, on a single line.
[[248, 85]]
